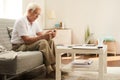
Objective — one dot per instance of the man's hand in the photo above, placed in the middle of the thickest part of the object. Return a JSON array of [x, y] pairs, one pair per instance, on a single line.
[[46, 36], [52, 34]]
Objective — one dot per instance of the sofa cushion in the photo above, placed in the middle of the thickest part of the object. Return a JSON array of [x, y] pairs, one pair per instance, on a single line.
[[24, 61], [4, 38]]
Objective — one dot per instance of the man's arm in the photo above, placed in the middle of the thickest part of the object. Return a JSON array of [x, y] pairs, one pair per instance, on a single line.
[[29, 40], [40, 35]]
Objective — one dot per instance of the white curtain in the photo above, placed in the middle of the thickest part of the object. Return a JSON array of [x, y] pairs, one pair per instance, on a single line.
[[10, 9]]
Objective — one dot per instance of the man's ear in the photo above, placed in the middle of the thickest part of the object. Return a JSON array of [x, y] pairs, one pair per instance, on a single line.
[[30, 11]]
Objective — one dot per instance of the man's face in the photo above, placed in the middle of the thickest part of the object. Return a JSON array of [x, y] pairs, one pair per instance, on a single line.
[[33, 15]]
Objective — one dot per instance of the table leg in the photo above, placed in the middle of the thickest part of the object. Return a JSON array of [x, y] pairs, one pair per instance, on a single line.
[[58, 66], [101, 66], [105, 62], [73, 56]]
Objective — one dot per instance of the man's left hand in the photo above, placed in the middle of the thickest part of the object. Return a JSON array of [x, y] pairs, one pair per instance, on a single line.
[[53, 33]]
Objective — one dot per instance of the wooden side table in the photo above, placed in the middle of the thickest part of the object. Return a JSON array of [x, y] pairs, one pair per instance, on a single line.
[[111, 47]]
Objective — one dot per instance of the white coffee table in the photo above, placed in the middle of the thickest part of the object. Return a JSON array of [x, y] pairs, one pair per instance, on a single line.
[[102, 52]]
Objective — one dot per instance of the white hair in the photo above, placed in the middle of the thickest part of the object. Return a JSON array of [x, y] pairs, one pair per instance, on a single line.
[[32, 6]]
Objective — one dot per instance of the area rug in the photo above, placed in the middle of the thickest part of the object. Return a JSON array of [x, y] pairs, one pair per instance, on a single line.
[[113, 73]]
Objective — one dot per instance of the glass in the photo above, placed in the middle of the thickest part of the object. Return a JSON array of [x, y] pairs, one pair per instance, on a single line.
[[100, 41]]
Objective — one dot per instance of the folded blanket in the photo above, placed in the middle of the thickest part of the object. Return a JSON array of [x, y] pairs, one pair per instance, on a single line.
[[8, 55]]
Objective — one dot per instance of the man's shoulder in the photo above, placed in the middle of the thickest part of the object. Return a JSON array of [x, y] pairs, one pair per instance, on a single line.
[[20, 20]]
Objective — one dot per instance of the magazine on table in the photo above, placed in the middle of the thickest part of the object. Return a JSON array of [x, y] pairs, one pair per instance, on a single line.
[[82, 62]]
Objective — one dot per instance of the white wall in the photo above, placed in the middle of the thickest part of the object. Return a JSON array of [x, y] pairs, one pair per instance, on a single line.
[[41, 18], [102, 16]]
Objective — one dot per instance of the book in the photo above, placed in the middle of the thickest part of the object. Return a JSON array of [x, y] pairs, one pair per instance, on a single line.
[[85, 46], [82, 62]]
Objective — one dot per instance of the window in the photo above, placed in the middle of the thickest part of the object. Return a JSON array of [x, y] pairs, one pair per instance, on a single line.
[[10, 9]]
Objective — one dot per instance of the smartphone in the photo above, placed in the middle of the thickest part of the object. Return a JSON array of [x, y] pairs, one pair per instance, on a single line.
[[54, 30]]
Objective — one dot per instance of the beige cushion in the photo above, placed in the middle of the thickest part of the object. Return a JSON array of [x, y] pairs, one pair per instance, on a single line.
[[4, 38], [10, 31]]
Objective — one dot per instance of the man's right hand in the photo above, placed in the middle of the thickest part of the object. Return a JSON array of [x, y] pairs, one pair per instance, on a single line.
[[47, 36]]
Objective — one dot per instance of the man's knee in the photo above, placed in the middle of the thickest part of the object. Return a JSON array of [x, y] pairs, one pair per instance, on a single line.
[[43, 42], [52, 40]]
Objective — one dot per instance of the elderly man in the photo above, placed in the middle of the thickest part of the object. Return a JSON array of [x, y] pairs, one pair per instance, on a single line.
[[28, 36]]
